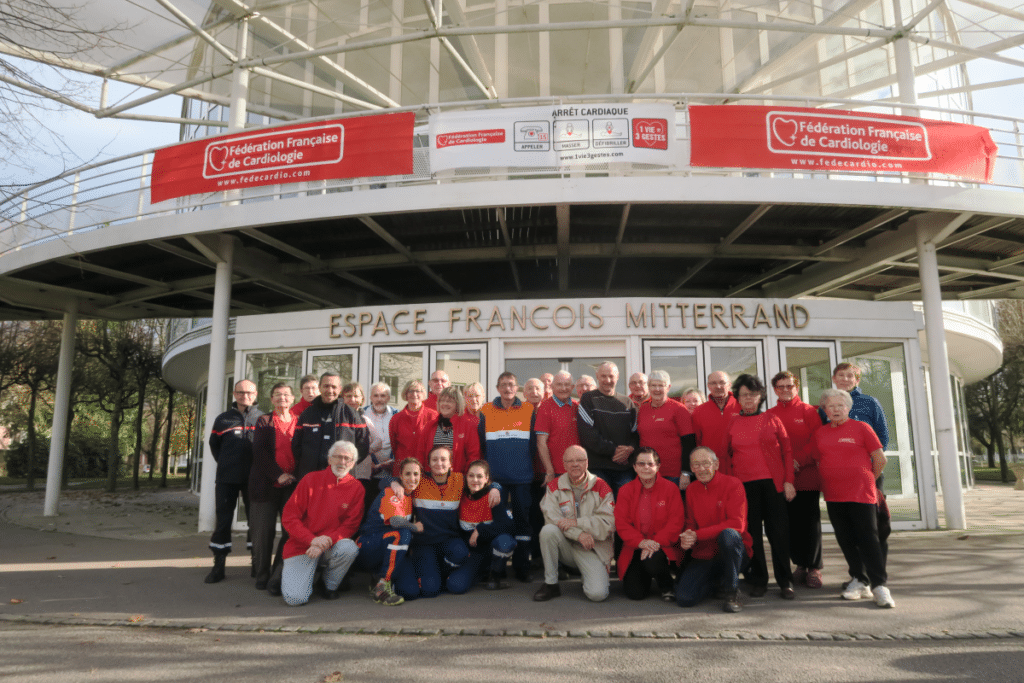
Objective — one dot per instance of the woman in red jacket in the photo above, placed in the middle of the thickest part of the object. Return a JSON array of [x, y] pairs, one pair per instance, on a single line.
[[408, 424], [759, 455], [648, 519], [450, 427]]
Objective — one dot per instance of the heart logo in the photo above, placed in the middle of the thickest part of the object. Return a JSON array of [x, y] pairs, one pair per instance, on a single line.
[[218, 154], [785, 130]]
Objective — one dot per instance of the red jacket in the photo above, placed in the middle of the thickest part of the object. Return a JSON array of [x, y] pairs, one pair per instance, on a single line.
[[709, 424], [666, 519], [404, 430], [801, 421], [322, 505], [773, 442], [713, 507], [465, 446]]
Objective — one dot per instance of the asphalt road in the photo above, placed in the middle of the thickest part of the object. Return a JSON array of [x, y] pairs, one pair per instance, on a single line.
[[45, 654]]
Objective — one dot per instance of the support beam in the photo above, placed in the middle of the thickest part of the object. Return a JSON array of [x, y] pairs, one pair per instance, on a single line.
[[215, 399], [927, 227], [562, 219], [503, 223], [618, 245], [61, 407], [729, 239], [380, 232]]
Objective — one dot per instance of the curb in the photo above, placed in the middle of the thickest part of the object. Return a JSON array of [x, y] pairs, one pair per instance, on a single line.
[[201, 626]]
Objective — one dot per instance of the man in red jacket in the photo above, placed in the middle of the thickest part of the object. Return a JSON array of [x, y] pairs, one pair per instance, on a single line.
[[715, 533], [321, 518], [712, 417]]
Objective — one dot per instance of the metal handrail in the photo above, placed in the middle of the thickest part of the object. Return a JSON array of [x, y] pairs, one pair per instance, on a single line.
[[117, 190]]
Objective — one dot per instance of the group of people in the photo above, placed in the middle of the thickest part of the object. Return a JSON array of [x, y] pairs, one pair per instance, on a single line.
[[452, 489]]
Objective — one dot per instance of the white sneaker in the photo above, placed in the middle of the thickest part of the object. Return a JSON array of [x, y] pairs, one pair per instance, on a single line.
[[856, 590], [882, 597]]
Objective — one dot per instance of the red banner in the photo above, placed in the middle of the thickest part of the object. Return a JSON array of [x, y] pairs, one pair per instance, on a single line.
[[360, 147], [827, 140]]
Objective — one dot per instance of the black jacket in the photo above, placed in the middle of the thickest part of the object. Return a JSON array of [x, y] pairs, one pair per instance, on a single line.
[[231, 443], [319, 427], [604, 423]]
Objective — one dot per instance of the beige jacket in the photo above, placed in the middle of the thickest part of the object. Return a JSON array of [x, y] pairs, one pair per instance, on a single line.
[[594, 511]]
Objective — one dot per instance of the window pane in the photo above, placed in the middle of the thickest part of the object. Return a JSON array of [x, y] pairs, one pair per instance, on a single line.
[[681, 365], [735, 360], [267, 369], [462, 366], [813, 367], [340, 363], [399, 367]]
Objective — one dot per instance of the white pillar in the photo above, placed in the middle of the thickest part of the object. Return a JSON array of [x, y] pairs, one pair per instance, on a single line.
[[215, 400], [938, 362], [904, 65], [61, 407]]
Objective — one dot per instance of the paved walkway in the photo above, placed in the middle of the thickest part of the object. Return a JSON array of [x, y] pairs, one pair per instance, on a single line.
[[134, 559]]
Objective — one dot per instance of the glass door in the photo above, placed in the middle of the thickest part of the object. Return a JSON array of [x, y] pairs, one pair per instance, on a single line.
[[464, 363], [735, 357], [683, 361], [342, 361], [396, 365], [812, 363]]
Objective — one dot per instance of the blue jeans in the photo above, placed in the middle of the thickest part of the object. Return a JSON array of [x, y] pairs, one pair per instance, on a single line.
[[431, 564], [702, 577], [615, 478], [492, 558]]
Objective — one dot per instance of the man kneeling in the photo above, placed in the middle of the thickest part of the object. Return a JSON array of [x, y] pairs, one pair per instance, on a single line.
[[715, 531], [579, 520], [321, 518]]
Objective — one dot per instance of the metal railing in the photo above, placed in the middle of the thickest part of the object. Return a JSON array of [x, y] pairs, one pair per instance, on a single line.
[[115, 192]]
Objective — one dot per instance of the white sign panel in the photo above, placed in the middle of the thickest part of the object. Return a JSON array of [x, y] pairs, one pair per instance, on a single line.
[[556, 136]]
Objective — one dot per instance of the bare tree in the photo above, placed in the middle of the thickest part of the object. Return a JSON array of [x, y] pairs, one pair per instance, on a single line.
[[35, 85]]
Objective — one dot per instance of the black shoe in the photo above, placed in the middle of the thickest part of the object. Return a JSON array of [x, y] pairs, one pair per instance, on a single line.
[[546, 592], [346, 584], [217, 573], [758, 591], [787, 593], [523, 575], [261, 585], [732, 603], [562, 574], [274, 588], [495, 582], [326, 593]]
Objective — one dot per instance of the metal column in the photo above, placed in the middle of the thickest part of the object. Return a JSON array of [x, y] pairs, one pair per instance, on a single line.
[[61, 406]]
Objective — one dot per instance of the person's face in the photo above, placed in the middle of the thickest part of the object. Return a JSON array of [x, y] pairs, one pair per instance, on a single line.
[[659, 391], [341, 463], [845, 379], [718, 384], [607, 378], [447, 406], [562, 388], [836, 410], [245, 393], [410, 477], [282, 398], [474, 400], [330, 389], [354, 399], [507, 389], [786, 389], [638, 385], [646, 467], [438, 381], [440, 462], [575, 462], [748, 400], [379, 398], [415, 396], [691, 401], [310, 390], [583, 386], [548, 380], [534, 391], [476, 479], [703, 466]]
